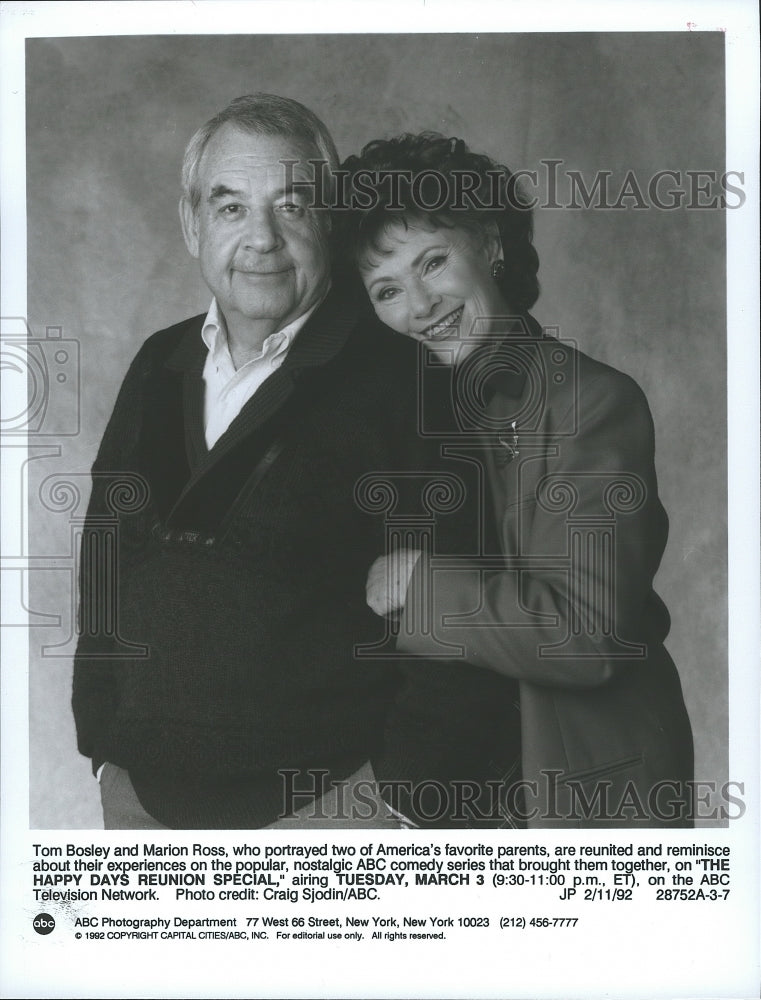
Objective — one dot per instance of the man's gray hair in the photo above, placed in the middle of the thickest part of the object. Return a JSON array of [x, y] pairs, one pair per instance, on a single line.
[[260, 114]]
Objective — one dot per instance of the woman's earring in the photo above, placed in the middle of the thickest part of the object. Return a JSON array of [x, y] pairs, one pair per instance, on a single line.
[[497, 269]]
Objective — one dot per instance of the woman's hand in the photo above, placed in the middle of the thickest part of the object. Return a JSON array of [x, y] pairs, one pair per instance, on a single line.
[[388, 580]]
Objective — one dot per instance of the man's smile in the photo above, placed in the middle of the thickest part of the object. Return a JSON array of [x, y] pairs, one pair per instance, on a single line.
[[259, 272]]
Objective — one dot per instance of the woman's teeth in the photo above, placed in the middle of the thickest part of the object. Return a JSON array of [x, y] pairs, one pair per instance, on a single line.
[[444, 327]]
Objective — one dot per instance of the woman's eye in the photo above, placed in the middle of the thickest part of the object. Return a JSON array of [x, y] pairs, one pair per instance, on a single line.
[[433, 263], [386, 294]]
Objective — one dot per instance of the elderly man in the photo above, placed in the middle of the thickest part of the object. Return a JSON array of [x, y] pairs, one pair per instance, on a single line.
[[227, 693]]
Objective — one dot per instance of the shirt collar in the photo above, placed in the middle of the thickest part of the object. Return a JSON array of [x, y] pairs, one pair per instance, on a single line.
[[214, 333], [331, 324]]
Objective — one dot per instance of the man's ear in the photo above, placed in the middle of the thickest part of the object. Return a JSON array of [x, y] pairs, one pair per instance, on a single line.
[[189, 220]]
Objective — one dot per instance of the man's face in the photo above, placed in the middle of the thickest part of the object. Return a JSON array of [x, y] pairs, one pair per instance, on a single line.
[[263, 251]]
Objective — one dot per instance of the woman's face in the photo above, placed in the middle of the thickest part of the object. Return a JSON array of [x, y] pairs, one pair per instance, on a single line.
[[435, 284]]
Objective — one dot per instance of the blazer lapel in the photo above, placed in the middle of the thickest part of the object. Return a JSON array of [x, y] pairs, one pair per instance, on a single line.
[[521, 391], [164, 456], [514, 426]]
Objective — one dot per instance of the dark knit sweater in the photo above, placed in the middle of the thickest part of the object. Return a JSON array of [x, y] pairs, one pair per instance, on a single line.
[[245, 595]]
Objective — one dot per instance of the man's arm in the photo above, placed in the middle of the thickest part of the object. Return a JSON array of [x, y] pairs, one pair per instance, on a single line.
[[94, 697]]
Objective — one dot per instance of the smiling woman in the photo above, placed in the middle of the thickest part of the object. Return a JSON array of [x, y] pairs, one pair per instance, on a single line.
[[434, 283], [566, 445], [436, 229]]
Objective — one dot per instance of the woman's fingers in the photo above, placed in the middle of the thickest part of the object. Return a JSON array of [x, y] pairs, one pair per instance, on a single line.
[[388, 580]]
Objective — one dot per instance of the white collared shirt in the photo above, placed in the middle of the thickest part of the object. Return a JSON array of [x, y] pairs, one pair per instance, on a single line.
[[227, 390]]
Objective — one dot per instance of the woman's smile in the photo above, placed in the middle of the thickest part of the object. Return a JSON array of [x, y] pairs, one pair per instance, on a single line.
[[444, 328]]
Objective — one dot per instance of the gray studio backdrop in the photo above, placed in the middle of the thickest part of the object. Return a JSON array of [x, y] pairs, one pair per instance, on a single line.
[[642, 289]]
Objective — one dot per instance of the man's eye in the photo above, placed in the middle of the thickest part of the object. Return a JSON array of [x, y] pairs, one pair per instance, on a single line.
[[291, 208], [433, 263], [231, 211]]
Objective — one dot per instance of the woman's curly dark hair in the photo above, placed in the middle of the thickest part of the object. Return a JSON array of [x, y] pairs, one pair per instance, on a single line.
[[429, 176]]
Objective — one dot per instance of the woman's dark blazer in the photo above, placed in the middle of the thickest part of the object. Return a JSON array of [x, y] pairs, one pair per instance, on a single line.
[[571, 612]]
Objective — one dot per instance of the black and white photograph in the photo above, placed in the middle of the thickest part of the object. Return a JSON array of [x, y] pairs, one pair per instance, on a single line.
[[380, 453]]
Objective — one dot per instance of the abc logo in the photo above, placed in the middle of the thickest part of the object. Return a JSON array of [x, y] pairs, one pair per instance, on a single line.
[[43, 923]]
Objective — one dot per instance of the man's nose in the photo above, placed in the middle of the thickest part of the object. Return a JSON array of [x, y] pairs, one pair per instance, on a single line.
[[262, 234], [423, 300]]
